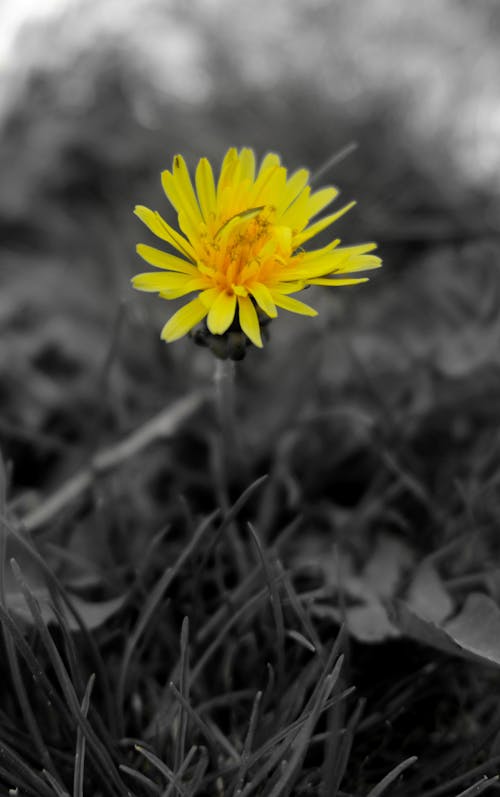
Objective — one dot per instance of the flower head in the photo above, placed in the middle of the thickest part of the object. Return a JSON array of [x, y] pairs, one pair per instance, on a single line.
[[240, 245]]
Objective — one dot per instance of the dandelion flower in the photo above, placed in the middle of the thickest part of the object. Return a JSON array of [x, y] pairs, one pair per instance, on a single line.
[[240, 247]]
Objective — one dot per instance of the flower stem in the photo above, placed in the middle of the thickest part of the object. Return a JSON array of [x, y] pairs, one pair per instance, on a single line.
[[229, 459], [225, 406]]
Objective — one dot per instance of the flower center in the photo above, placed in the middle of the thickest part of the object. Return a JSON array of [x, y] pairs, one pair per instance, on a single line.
[[248, 247]]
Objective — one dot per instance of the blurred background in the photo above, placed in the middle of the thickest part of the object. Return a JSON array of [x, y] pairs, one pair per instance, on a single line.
[[95, 99]]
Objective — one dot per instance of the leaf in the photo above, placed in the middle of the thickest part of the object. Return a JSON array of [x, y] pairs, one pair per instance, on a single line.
[[388, 562], [367, 623], [370, 623], [427, 595], [473, 634], [410, 624], [477, 627], [367, 620], [93, 614]]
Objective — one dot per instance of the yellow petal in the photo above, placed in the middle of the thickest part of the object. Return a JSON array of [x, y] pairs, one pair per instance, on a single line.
[[221, 313], [162, 281], [320, 225], [293, 305], [190, 228], [269, 161], [160, 259], [159, 227], [238, 198], [283, 236], [320, 199], [269, 191], [176, 293], [228, 165], [290, 287], [249, 321], [247, 164], [314, 254], [183, 320], [269, 167], [170, 188], [262, 296], [179, 190], [362, 263], [205, 187], [209, 296], [296, 183], [340, 281], [330, 264], [338, 262], [297, 216], [359, 249], [185, 186]]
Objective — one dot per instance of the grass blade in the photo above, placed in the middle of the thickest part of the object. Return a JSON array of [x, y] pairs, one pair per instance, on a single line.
[[155, 597], [102, 755], [56, 587], [198, 774], [52, 698], [200, 723], [80, 743], [294, 732], [182, 769], [10, 648], [276, 607], [302, 615], [59, 791], [17, 768], [479, 787], [180, 744], [339, 765], [285, 784], [393, 775], [162, 768], [140, 778], [247, 747], [232, 513], [250, 607]]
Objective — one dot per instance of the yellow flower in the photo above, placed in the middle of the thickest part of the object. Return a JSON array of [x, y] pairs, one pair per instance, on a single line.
[[240, 248]]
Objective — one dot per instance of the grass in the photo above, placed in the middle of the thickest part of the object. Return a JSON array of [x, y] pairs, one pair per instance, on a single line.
[[193, 748], [224, 668]]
